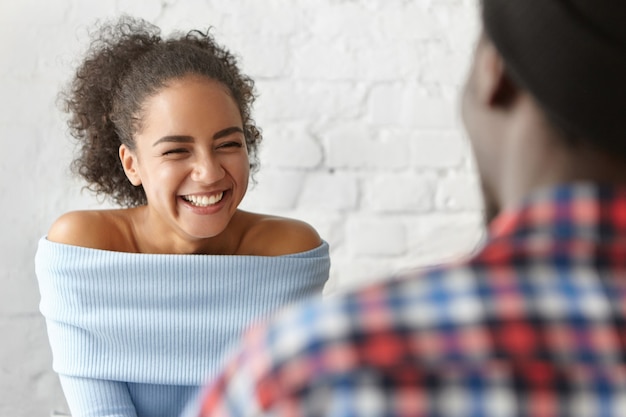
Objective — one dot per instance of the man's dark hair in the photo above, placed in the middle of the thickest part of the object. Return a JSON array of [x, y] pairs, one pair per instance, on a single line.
[[571, 56]]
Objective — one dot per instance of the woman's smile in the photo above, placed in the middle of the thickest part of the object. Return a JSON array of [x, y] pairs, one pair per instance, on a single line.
[[203, 200], [205, 203]]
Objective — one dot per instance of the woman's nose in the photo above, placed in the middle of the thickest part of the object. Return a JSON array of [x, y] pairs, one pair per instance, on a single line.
[[207, 170]]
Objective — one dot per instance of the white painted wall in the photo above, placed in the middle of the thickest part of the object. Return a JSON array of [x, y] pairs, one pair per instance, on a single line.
[[358, 103]]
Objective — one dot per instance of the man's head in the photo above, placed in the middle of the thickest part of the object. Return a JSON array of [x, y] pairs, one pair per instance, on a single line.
[[547, 94]]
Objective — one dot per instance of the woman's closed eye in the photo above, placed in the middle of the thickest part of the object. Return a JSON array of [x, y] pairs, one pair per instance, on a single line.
[[175, 151], [230, 144]]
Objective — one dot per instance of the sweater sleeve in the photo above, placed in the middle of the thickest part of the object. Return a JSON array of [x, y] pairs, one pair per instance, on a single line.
[[89, 397]]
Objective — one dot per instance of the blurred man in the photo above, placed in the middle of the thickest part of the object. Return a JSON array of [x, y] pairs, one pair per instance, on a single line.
[[534, 324]]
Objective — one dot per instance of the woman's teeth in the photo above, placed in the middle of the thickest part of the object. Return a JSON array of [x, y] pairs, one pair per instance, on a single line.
[[203, 200]]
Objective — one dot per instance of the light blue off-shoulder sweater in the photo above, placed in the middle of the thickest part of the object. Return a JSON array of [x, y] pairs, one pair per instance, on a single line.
[[137, 334]]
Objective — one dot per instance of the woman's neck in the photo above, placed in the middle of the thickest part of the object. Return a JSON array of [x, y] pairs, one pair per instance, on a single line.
[[150, 235]]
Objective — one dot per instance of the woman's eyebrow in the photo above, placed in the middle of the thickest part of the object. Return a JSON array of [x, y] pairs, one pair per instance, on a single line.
[[188, 139], [226, 132], [174, 138]]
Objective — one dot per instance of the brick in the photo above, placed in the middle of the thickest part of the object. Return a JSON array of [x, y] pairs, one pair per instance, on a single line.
[[438, 238], [407, 21], [402, 59], [271, 17], [376, 236], [342, 20], [260, 61], [443, 66], [287, 100], [358, 272], [340, 59], [290, 146], [87, 12], [357, 146], [458, 192], [458, 23], [332, 60], [399, 193], [274, 190], [438, 149], [185, 15], [329, 191], [330, 225], [409, 106]]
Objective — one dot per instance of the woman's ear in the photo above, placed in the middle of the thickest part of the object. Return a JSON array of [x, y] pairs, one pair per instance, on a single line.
[[130, 165]]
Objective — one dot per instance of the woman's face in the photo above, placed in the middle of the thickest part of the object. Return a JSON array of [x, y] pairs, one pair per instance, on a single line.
[[191, 157]]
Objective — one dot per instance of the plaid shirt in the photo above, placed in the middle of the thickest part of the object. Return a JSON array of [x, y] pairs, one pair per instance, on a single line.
[[533, 325]]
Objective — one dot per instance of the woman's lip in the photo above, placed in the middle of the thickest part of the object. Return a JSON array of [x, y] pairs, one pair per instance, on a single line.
[[201, 194]]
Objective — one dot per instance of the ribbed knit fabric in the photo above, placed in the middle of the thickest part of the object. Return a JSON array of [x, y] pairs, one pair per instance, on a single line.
[[161, 320]]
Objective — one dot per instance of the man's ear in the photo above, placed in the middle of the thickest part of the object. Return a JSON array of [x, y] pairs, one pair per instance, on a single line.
[[494, 85], [130, 165]]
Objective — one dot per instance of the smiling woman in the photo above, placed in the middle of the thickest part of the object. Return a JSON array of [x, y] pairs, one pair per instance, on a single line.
[[142, 302], [192, 161]]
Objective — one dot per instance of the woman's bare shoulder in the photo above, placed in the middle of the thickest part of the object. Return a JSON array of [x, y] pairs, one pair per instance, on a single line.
[[274, 236], [96, 229]]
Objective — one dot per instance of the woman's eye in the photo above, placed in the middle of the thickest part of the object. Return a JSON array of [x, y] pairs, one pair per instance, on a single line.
[[174, 151], [229, 145]]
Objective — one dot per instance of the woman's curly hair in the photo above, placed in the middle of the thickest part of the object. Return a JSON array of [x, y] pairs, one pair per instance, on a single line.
[[127, 62]]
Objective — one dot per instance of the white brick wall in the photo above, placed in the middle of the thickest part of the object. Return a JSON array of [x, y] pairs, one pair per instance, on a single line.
[[358, 103]]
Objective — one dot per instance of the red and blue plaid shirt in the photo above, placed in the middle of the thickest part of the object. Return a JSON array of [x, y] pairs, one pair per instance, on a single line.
[[533, 325]]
